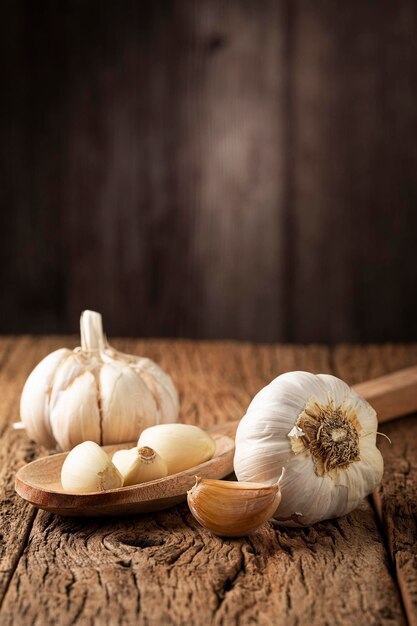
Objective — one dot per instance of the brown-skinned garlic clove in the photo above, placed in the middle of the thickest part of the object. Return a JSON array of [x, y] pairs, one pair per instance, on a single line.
[[139, 465], [232, 509]]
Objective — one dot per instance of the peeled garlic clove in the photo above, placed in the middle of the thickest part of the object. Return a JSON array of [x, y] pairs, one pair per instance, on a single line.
[[87, 468], [34, 403], [231, 509], [139, 465], [180, 445]]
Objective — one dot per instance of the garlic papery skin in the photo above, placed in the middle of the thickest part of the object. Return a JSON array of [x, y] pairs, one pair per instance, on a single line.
[[322, 433], [95, 393], [182, 446], [87, 468], [139, 465], [34, 402], [232, 509]]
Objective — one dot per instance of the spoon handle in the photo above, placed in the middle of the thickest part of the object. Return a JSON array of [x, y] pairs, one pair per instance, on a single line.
[[392, 395]]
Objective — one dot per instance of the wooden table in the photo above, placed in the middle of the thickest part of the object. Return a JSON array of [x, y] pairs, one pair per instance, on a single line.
[[164, 568]]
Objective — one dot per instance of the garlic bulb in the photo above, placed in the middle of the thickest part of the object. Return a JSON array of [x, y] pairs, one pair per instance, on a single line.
[[180, 445], [139, 465], [87, 468], [322, 433], [232, 509], [95, 393]]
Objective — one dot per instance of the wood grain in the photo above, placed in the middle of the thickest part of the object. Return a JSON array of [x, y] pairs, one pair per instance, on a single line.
[[392, 395], [354, 69], [166, 569], [210, 169], [396, 498]]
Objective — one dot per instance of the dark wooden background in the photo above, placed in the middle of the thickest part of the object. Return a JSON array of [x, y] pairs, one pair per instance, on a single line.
[[239, 168]]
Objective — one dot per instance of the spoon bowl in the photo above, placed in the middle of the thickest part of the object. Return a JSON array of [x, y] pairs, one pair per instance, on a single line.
[[39, 483]]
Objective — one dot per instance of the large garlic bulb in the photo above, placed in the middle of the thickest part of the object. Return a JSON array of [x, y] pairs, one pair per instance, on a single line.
[[95, 393], [322, 433]]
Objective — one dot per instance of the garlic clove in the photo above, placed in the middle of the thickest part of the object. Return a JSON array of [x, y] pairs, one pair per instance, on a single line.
[[127, 405], [75, 415], [34, 403], [66, 374], [139, 465], [162, 388], [124, 460], [182, 446], [87, 468], [232, 509]]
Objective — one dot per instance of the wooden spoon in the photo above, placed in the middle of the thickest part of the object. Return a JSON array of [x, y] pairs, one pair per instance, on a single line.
[[392, 395], [39, 483]]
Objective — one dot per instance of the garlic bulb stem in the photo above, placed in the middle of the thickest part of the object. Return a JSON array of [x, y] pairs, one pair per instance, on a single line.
[[91, 330]]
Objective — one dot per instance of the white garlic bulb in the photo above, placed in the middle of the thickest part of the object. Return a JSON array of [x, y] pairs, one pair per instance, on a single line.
[[87, 468], [182, 446], [95, 393], [322, 433], [139, 465]]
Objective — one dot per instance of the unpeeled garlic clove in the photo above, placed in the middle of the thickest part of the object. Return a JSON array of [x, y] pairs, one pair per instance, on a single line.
[[162, 388], [34, 403], [139, 465], [180, 445], [87, 468], [75, 416], [231, 509]]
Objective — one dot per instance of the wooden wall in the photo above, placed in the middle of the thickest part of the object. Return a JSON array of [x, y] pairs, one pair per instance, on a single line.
[[239, 168]]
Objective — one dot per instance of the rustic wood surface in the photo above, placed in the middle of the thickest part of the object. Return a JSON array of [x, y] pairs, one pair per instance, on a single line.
[[207, 168], [164, 568]]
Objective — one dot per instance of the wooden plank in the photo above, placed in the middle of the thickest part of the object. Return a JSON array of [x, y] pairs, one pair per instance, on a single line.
[[219, 169], [152, 165], [188, 127], [16, 517], [236, 140], [17, 358], [353, 180], [396, 504], [32, 153], [166, 569], [396, 498]]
